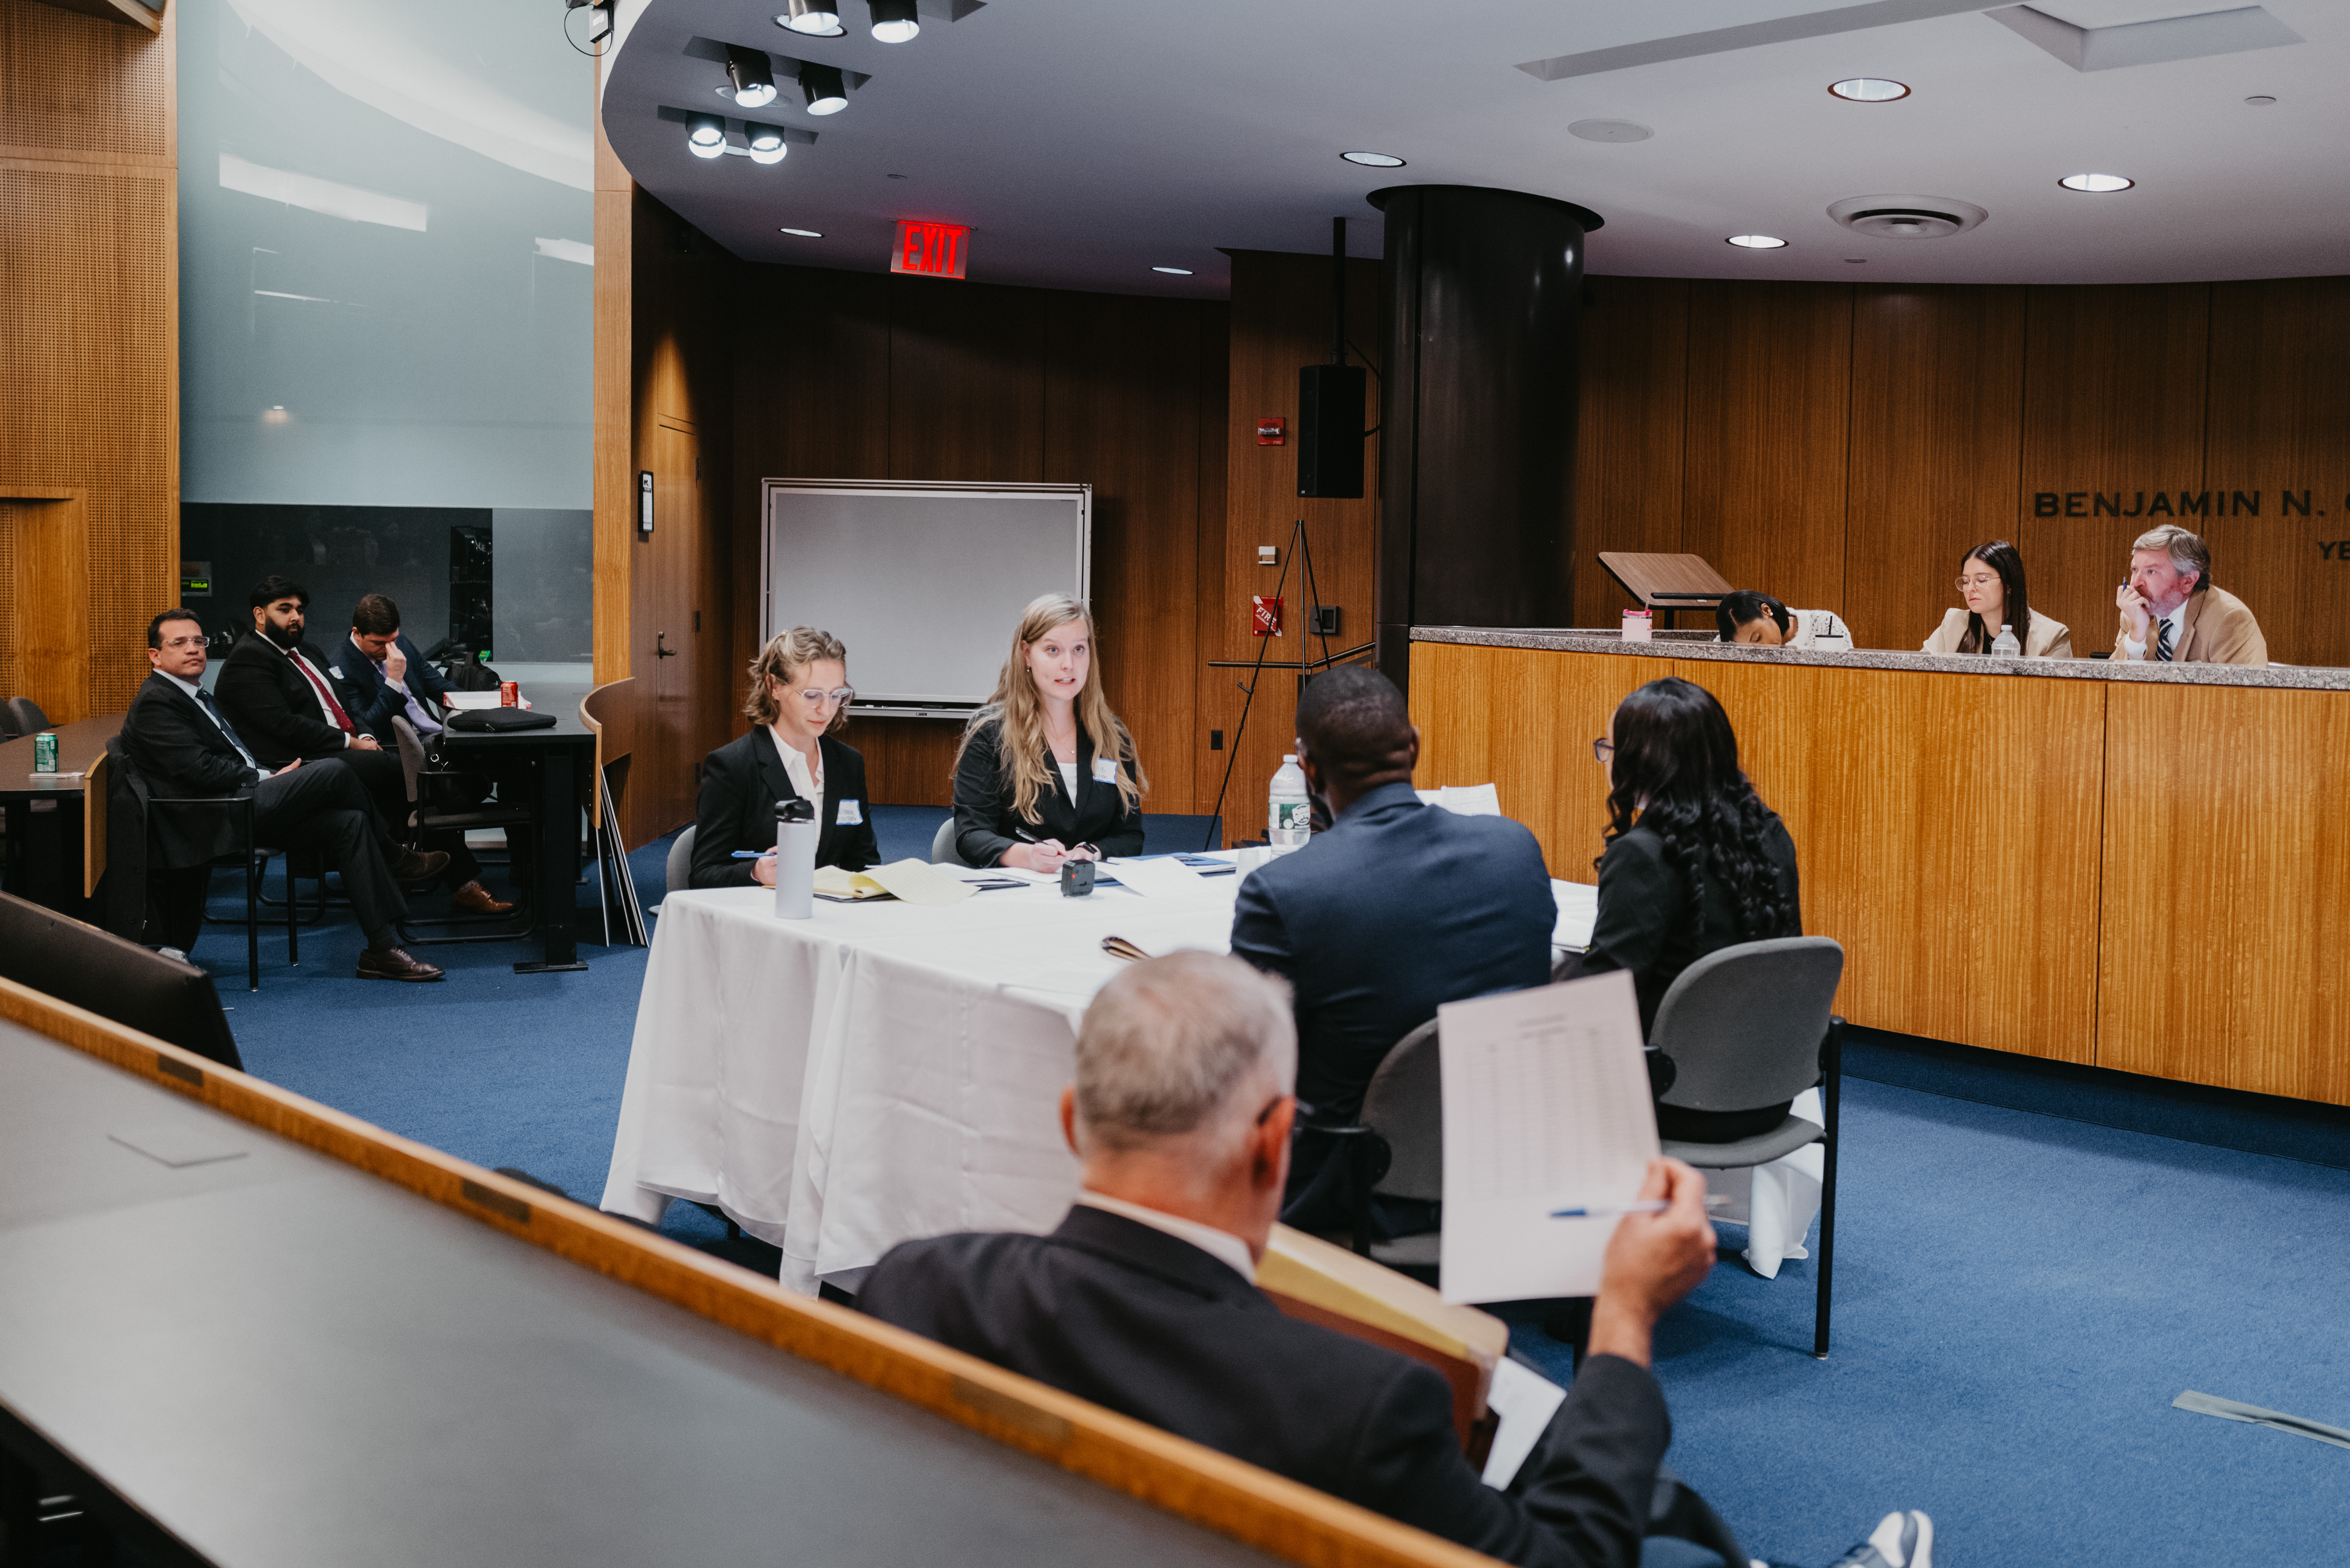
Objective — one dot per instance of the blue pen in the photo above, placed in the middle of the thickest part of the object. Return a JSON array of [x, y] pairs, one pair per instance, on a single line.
[[752, 854], [1643, 1206]]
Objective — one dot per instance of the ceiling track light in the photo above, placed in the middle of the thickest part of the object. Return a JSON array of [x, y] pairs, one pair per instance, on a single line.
[[705, 135], [811, 18], [754, 80], [766, 141], [827, 92], [894, 21]]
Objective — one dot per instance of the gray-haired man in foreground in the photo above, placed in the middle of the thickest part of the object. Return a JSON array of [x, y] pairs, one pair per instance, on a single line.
[[1145, 1301]]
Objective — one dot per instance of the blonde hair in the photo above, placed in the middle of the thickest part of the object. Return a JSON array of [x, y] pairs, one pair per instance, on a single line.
[[1015, 706], [787, 654]]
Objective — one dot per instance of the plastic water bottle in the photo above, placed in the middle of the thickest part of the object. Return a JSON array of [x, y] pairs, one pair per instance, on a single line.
[[1288, 809], [796, 837], [2005, 646]]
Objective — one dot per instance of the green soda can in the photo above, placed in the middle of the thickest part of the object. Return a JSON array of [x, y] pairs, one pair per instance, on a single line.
[[45, 752]]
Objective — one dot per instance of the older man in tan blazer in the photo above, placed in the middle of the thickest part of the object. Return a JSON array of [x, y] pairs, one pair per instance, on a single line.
[[2172, 614]]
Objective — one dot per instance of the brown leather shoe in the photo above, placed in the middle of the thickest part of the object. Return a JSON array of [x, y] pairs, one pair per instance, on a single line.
[[394, 963], [473, 899], [412, 866]]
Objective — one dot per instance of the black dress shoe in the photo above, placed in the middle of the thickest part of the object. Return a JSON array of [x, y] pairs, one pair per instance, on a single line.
[[414, 867], [394, 963]]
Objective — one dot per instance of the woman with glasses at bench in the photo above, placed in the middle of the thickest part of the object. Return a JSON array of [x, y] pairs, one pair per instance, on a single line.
[[1991, 591], [799, 697]]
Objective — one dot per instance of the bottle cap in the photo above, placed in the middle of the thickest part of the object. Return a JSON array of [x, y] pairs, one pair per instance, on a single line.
[[795, 810], [1288, 757]]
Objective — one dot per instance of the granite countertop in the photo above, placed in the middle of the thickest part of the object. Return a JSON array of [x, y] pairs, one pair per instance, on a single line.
[[1700, 645]]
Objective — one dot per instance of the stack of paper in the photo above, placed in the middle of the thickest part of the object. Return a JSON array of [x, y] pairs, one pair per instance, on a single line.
[[913, 881]]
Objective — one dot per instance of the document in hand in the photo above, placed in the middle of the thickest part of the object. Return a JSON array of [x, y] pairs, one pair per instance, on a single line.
[[1545, 1106]]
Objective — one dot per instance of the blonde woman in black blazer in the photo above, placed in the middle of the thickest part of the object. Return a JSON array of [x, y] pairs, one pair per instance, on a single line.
[[1046, 772], [799, 696]]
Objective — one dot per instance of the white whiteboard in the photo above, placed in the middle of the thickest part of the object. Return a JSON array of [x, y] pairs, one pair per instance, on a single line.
[[923, 583]]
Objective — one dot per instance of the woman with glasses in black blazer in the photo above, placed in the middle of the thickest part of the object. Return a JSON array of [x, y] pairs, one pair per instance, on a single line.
[[799, 701]]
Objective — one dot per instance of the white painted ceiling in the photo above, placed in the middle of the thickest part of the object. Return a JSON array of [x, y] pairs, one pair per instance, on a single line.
[[1086, 141]]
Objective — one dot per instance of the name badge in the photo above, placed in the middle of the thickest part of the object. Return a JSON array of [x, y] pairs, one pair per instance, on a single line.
[[852, 813], [1105, 770]]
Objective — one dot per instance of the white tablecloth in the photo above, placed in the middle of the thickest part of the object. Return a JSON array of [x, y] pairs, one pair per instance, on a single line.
[[883, 1071]]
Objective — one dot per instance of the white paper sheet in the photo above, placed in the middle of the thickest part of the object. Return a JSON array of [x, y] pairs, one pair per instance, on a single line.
[[1525, 1400], [1162, 878], [1545, 1106], [1471, 800]]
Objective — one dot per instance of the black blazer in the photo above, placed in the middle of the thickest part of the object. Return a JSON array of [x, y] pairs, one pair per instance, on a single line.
[[274, 706], [1397, 908], [1133, 1319], [985, 825], [1643, 922], [180, 752], [368, 697], [740, 783]]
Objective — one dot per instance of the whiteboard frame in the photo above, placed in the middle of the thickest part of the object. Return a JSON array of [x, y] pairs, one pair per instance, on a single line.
[[770, 488]]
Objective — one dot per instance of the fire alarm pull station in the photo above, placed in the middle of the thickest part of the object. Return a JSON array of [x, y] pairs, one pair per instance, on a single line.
[[1268, 616], [1273, 430]]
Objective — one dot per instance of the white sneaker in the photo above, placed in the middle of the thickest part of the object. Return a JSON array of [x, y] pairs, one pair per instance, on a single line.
[[1901, 1540]]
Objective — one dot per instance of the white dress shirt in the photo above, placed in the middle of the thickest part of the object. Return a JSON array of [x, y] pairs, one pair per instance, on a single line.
[[2178, 619], [1221, 1245], [197, 693], [805, 779]]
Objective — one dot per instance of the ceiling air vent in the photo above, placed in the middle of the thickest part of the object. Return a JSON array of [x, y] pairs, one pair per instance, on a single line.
[[1907, 217]]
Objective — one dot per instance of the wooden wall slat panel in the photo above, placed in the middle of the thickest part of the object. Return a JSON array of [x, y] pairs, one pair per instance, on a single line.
[[1937, 444], [966, 381], [1770, 384], [1213, 396], [1498, 715], [1967, 904], [2223, 908], [1132, 438], [2113, 404], [1633, 426], [2280, 419]]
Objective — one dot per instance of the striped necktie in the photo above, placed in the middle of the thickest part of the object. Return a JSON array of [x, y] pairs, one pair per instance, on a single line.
[[2162, 642]]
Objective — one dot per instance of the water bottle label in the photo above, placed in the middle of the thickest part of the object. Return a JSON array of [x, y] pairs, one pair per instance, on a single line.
[[1293, 817]]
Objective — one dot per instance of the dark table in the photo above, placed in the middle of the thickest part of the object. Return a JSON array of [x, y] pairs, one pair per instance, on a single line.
[[80, 745], [283, 1361], [561, 759]]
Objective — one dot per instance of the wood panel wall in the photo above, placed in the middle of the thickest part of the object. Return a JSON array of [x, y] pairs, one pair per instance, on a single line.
[[89, 315], [1842, 445], [863, 376]]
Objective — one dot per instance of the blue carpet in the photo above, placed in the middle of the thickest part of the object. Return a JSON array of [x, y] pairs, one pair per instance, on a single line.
[[2019, 1295]]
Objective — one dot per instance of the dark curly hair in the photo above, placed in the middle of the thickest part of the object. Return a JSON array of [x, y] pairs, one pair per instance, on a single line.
[[1675, 767]]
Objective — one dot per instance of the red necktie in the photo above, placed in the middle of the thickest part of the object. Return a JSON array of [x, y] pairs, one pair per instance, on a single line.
[[341, 718]]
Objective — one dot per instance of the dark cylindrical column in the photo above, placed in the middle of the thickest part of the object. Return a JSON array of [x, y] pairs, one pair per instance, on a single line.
[[1477, 411]]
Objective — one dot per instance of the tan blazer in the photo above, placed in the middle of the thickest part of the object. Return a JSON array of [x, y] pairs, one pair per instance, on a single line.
[[2218, 629], [2046, 637]]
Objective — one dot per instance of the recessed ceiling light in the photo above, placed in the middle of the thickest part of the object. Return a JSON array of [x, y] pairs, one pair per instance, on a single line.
[[1373, 160], [1176, 271], [1758, 241], [2259, 100], [1869, 89], [1609, 130], [2095, 183], [804, 234]]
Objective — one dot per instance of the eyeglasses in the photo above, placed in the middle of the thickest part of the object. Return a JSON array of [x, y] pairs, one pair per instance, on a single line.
[[1602, 749], [1966, 583], [838, 694], [177, 643]]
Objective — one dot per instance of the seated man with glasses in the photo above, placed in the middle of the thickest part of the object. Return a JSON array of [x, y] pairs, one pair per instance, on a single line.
[[183, 746], [1395, 909], [799, 695]]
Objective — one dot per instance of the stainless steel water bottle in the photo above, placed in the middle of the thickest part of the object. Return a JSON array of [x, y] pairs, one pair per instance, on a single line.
[[796, 837]]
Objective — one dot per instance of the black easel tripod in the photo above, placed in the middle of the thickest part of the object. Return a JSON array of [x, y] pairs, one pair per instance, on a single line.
[[1256, 667]]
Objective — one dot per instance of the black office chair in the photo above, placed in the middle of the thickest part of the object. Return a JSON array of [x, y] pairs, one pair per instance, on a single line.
[[25, 715], [425, 817], [8, 731], [133, 808], [101, 972]]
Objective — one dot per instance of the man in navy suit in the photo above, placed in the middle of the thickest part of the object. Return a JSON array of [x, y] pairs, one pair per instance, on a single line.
[[1145, 1301], [1397, 908]]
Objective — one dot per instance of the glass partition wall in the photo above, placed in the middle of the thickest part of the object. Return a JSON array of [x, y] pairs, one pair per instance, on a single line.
[[387, 317]]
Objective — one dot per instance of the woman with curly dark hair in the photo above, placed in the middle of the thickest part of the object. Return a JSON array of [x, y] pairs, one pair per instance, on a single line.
[[1694, 862]]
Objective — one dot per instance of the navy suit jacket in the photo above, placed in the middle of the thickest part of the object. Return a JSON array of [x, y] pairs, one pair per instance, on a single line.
[[1397, 908], [368, 697], [1134, 1319]]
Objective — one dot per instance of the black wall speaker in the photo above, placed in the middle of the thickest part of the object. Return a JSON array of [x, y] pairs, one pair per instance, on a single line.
[[1330, 431]]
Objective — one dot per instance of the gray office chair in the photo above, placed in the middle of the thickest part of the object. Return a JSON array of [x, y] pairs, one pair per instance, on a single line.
[[7, 722], [943, 845], [680, 864], [24, 716], [1749, 1025], [1405, 1106]]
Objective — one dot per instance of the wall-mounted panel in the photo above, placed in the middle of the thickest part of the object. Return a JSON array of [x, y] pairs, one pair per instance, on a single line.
[[1633, 415]]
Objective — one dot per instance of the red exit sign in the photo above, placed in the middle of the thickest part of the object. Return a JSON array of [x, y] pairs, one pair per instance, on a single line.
[[934, 250]]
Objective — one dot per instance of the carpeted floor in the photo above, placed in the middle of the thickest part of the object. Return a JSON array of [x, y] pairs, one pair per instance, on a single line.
[[2020, 1290]]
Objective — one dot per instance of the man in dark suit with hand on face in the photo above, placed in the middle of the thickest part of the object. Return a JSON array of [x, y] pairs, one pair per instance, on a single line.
[[178, 739]]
